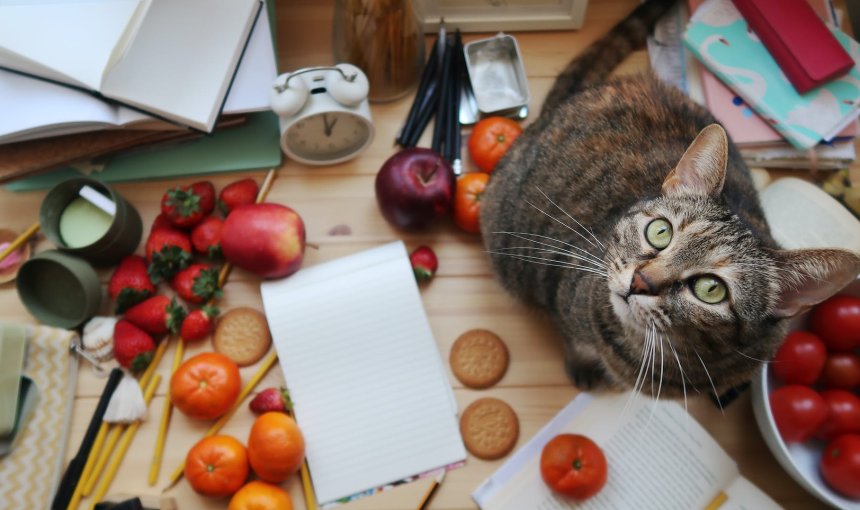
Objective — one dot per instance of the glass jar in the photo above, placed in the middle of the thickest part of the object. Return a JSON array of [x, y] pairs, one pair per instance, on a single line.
[[385, 39]]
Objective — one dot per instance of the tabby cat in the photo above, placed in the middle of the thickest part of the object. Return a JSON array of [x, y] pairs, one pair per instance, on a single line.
[[627, 214]]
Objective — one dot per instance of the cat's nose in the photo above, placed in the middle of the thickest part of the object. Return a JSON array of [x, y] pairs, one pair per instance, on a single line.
[[640, 284]]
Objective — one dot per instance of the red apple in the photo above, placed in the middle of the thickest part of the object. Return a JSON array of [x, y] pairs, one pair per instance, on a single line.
[[414, 187], [266, 239]]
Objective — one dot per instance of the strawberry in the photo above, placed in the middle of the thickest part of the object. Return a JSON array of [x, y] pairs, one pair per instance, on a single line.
[[186, 206], [133, 348], [237, 193], [206, 237], [129, 284], [157, 315], [196, 283], [198, 324], [271, 399], [161, 221], [424, 263], [168, 250]]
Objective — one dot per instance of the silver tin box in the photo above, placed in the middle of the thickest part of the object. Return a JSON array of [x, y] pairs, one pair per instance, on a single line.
[[497, 75]]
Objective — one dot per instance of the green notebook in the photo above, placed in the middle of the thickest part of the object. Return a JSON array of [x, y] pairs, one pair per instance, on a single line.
[[252, 146]]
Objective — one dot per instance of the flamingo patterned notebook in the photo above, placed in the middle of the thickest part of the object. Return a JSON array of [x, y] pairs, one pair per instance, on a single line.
[[719, 36]]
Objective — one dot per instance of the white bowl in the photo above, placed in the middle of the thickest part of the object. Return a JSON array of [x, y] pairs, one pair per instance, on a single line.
[[800, 460]]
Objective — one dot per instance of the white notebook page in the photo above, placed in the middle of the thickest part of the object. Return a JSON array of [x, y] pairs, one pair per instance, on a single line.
[[370, 391]]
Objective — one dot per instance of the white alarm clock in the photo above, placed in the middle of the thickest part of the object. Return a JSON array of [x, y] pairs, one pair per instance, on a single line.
[[324, 114]]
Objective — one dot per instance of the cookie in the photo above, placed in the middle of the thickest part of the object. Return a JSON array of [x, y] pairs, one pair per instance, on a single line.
[[479, 358], [490, 428], [242, 335]]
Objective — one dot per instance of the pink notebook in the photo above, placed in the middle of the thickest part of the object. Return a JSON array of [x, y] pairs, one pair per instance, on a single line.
[[745, 126]]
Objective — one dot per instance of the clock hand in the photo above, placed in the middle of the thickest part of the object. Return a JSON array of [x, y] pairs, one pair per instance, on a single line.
[[328, 127]]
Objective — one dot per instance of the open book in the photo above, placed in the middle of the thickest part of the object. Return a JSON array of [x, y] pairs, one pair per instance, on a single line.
[[174, 59], [658, 457], [34, 108]]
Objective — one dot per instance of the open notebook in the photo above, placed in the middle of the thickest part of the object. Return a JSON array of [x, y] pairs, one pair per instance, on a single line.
[[34, 108], [370, 391], [171, 58]]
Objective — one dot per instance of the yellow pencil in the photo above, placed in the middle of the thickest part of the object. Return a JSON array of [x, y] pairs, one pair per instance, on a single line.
[[19, 241], [88, 467], [167, 410], [249, 387], [127, 436], [100, 458]]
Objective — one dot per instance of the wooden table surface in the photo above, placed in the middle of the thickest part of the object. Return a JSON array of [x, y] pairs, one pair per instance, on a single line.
[[464, 295]]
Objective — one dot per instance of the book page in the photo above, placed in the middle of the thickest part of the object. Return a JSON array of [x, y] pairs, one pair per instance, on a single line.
[[257, 71], [743, 495], [801, 215], [658, 457], [70, 41], [183, 59], [370, 391]]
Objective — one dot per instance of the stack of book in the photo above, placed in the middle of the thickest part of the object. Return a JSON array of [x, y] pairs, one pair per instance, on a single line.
[[86, 79], [720, 62]]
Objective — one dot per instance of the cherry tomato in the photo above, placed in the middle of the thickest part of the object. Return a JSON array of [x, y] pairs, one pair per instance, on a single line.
[[837, 322], [840, 465], [490, 140], [467, 201], [798, 412], [800, 358], [843, 414], [573, 465], [841, 370]]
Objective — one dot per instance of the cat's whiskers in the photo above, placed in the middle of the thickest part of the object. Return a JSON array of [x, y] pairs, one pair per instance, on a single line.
[[660, 383], [716, 395], [572, 218], [551, 263], [577, 232], [680, 368], [750, 357], [640, 378], [556, 251], [525, 237]]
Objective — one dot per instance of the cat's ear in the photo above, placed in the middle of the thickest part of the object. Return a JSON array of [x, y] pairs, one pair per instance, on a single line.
[[808, 277], [702, 169]]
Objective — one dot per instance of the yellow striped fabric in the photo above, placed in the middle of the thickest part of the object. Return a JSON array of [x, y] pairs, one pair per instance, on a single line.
[[31, 472]]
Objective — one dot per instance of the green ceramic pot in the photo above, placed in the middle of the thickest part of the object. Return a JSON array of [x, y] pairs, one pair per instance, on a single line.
[[59, 289], [120, 239]]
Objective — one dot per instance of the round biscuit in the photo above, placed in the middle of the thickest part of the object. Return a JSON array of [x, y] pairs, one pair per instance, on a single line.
[[479, 358], [490, 428], [242, 335]]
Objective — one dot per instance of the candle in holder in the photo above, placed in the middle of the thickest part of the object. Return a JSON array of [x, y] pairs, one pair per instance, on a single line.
[[90, 219], [82, 223]]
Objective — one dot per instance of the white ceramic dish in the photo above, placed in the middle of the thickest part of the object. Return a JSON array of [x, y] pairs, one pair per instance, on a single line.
[[799, 460]]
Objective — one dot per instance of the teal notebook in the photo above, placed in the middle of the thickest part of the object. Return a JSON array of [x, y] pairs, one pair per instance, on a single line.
[[252, 146], [719, 37]]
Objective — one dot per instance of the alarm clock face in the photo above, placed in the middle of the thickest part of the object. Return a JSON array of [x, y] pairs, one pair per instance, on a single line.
[[328, 137]]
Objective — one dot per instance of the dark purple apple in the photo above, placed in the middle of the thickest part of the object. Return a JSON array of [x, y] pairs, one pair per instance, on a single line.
[[414, 187]]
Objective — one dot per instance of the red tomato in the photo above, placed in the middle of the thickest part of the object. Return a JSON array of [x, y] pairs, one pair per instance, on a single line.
[[800, 358], [573, 465], [840, 465], [798, 412], [490, 140], [841, 370], [843, 414], [467, 201], [837, 322]]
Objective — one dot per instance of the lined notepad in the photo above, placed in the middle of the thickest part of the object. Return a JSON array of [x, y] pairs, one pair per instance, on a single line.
[[370, 392]]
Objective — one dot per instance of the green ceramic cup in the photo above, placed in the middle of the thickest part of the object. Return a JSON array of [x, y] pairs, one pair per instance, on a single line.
[[121, 238], [59, 289]]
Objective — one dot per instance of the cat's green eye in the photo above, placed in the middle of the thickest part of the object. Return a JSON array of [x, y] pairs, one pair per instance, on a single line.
[[709, 289], [658, 233]]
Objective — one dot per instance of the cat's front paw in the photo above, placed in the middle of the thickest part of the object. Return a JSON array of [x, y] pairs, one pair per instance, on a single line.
[[587, 377]]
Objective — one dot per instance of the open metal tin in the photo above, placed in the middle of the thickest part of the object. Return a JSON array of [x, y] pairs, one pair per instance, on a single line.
[[497, 74]]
